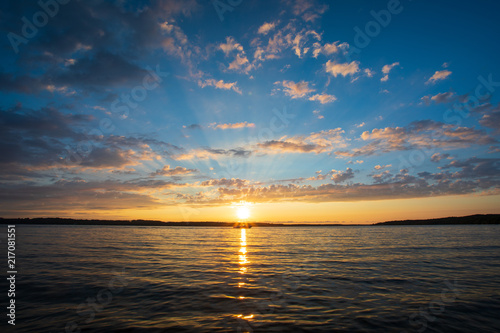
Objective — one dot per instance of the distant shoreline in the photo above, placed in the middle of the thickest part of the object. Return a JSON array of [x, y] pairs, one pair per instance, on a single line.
[[471, 219]]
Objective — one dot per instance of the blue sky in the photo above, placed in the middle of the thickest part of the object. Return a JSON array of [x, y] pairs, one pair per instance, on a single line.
[[157, 108]]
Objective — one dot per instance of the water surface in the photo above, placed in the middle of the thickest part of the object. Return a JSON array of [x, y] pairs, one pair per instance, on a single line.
[[301, 279]]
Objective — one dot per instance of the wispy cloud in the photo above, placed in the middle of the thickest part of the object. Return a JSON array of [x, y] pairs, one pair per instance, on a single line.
[[316, 142], [219, 85], [231, 126], [387, 69], [266, 27], [323, 98], [177, 171], [438, 76]]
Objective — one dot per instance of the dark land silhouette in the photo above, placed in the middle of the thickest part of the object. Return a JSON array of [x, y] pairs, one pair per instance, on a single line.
[[471, 219]]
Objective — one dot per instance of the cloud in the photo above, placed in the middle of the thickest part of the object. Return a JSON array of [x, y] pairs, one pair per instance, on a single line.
[[382, 177], [240, 63], [369, 72], [418, 135], [192, 126], [233, 182], [48, 143], [440, 98], [211, 153], [473, 168], [220, 85], [177, 171], [103, 69], [318, 114], [343, 69], [438, 76], [316, 142], [323, 98], [290, 147], [295, 90], [309, 10], [436, 157], [37, 137], [289, 37], [387, 69], [176, 43], [380, 167], [492, 119], [85, 48], [476, 176], [69, 196], [342, 176], [230, 45], [266, 27], [21, 83], [232, 126], [301, 90], [329, 48]]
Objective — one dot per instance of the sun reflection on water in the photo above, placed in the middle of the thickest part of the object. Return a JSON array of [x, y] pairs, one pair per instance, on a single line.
[[243, 262]]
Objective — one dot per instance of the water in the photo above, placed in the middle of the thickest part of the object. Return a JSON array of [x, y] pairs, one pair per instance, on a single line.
[[301, 279]]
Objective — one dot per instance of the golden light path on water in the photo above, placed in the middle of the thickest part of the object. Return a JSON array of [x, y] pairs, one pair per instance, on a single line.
[[243, 261]]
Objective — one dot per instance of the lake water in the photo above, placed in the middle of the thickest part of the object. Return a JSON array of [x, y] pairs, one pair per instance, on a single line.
[[300, 279]]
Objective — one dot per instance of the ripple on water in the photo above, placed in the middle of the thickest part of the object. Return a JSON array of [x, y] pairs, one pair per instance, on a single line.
[[364, 279]]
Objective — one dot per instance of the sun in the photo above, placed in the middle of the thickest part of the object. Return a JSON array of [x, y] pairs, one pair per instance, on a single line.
[[243, 212]]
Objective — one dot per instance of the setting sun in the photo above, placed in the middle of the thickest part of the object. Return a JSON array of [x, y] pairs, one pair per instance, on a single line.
[[243, 212]]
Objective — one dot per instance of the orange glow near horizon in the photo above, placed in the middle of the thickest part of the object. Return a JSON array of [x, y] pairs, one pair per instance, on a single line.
[[334, 212]]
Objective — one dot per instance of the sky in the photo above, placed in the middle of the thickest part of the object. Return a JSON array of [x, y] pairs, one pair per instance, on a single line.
[[294, 110]]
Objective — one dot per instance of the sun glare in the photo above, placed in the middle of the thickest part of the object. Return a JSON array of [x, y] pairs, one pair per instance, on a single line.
[[243, 212]]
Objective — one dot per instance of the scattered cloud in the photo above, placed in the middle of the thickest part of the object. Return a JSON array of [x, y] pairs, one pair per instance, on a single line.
[[436, 157], [329, 48], [210, 153], [233, 182], [316, 142], [231, 126], [418, 135], [342, 176], [266, 27], [323, 98], [230, 45], [296, 90], [343, 69], [177, 171], [440, 98], [438, 76], [220, 85], [318, 114], [387, 69]]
